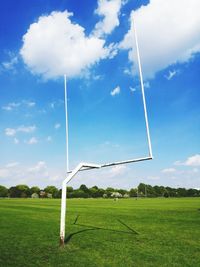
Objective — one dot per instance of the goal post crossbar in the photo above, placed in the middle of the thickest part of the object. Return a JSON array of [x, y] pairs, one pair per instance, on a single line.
[[115, 163]]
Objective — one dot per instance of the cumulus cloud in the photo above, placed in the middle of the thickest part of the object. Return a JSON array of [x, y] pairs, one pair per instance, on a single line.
[[14, 105], [22, 129], [57, 126], [115, 91], [11, 63], [32, 141], [193, 161], [54, 46], [11, 106], [171, 74], [168, 32], [109, 10]]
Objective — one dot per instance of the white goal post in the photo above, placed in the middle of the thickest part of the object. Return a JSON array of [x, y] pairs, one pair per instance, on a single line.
[[88, 166]]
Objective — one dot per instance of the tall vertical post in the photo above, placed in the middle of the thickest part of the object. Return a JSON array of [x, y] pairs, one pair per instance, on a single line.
[[63, 213], [142, 88], [66, 123], [64, 188]]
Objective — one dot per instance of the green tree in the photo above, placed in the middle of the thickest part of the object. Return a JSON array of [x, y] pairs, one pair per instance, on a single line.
[[52, 190], [133, 192], [3, 191], [35, 189], [141, 188], [24, 190], [84, 188]]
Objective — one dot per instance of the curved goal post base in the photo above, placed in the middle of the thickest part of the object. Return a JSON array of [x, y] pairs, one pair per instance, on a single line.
[[81, 167]]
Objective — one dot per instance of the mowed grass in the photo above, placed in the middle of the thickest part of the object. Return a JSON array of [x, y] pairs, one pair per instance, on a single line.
[[101, 232]]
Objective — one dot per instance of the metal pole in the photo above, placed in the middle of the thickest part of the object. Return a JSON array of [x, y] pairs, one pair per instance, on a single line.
[[142, 88], [66, 124], [63, 214]]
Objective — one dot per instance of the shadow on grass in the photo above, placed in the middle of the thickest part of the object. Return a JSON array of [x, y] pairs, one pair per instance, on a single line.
[[93, 228]]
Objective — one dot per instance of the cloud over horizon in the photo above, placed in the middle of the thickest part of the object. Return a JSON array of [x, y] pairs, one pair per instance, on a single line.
[[168, 33], [54, 46]]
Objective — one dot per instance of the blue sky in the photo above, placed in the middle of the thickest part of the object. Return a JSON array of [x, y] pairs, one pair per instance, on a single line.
[[93, 43]]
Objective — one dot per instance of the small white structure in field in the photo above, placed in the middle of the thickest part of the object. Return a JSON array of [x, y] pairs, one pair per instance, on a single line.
[[34, 195], [116, 195]]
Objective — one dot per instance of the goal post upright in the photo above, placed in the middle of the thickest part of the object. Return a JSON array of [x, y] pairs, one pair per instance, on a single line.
[[142, 89]]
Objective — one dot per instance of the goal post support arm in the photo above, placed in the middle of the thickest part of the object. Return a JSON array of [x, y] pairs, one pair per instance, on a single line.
[[64, 195]]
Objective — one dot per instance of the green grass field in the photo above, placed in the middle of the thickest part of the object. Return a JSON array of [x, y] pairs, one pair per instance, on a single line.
[[100, 232]]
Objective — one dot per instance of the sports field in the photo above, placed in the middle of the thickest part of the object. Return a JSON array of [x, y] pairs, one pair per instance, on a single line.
[[101, 232]]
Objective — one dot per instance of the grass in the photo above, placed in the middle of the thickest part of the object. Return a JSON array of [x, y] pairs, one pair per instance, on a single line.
[[99, 232]]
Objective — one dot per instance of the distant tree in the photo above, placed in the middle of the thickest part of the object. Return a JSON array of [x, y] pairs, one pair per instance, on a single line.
[[182, 192], [109, 191], [96, 192], [52, 190], [141, 189], [122, 191], [3, 191], [34, 189], [84, 188], [192, 192], [79, 194], [19, 191], [133, 192], [70, 189]]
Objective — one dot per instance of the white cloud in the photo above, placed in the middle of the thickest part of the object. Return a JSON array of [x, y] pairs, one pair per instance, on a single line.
[[171, 74], [12, 164], [109, 10], [10, 131], [193, 161], [3, 172], [128, 71], [32, 141], [10, 65], [29, 104], [22, 129], [11, 106], [132, 89], [57, 126], [169, 170], [54, 46], [115, 91], [168, 32], [40, 166], [117, 170], [26, 129]]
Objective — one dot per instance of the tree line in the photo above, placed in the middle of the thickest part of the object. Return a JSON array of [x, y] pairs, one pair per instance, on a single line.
[[143, 190]]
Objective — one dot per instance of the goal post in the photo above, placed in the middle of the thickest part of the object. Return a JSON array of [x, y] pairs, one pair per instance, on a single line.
[[87, 166]]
